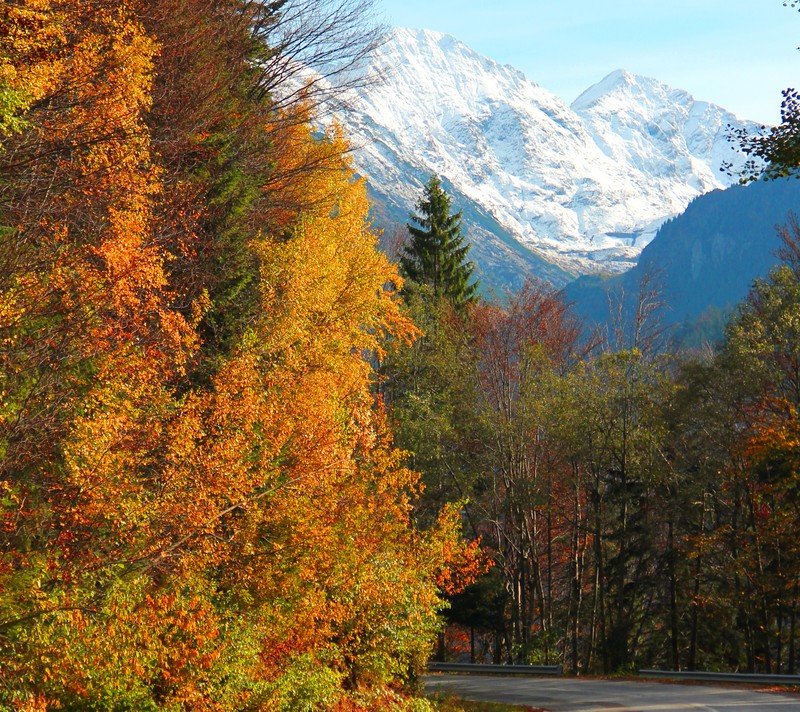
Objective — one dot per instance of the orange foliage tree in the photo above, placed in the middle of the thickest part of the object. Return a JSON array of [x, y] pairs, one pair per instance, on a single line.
[[201, 503]]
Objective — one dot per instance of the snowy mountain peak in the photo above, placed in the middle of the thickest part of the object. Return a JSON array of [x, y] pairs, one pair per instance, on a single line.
[[616, 81], [443, 66], [584, 187], [659, 130], [623, 91], [452, 51]]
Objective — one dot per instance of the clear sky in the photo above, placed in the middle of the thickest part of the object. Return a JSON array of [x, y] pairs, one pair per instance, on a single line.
[[739, 54]]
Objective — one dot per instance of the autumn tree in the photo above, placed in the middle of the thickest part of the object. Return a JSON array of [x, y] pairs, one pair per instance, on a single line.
[[520, 351], [201, 501], [314, 50], [636, 317]]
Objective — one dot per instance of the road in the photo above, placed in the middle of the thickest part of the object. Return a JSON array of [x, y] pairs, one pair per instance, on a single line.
[[581, 695]]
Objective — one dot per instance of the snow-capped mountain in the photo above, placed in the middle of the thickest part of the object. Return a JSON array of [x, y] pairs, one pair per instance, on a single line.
[[704, 260], [551, 189]]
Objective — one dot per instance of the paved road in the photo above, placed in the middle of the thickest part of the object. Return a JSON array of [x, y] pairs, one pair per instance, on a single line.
[[576, 695]]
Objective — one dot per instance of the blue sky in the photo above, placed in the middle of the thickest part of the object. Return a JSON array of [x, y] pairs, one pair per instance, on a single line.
[[736, 53]]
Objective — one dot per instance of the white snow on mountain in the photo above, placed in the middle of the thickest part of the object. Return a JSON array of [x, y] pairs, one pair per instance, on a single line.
[[585, 187]]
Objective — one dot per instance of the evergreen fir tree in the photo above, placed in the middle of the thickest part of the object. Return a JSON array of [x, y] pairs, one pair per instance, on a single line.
[[437, 253]]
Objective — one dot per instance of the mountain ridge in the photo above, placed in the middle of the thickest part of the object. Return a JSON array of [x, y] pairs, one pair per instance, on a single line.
[[582, 188], [705, 258]]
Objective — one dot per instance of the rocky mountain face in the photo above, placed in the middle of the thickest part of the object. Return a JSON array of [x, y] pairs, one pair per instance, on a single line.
[[547, 189], [706, 258]]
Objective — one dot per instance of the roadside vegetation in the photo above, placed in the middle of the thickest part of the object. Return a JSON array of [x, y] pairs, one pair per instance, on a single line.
[[249, 463]]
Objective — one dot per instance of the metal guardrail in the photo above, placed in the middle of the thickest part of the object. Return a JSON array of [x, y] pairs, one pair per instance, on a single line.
[[723, 677], [485, 669]]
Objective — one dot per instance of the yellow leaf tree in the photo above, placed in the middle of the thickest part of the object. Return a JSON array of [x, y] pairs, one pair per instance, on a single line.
[[200, 503]]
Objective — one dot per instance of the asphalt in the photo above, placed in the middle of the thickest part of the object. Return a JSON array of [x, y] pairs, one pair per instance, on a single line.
[[590, 695]]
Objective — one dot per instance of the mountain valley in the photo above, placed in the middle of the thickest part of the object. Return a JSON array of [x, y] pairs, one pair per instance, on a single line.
[[547, 190]]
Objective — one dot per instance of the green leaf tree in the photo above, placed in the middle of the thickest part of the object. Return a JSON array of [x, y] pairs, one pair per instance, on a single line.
[[773, 152], [437, 254]]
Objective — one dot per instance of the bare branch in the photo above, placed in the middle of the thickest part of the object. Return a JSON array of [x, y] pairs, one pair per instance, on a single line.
[[315, 50]]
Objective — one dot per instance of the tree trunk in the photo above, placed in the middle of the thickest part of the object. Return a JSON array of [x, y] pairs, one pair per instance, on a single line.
[[792, 633], [472, 645], [673, 596], [696, 594]]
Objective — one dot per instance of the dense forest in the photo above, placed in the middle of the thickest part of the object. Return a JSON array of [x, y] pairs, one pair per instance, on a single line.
[[201, 506], [640, 506], [248, 462]]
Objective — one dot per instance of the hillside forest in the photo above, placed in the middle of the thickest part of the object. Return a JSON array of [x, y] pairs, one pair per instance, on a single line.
[[249, 462], [201, 505]]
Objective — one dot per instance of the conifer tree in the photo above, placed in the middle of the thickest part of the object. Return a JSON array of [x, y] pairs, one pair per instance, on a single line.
[[437, 254]]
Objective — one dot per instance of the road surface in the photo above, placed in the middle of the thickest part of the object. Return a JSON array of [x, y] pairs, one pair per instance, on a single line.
[[581, 695]]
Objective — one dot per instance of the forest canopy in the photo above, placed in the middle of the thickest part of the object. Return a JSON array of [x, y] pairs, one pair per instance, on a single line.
[[243, 465], [201, 505]]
